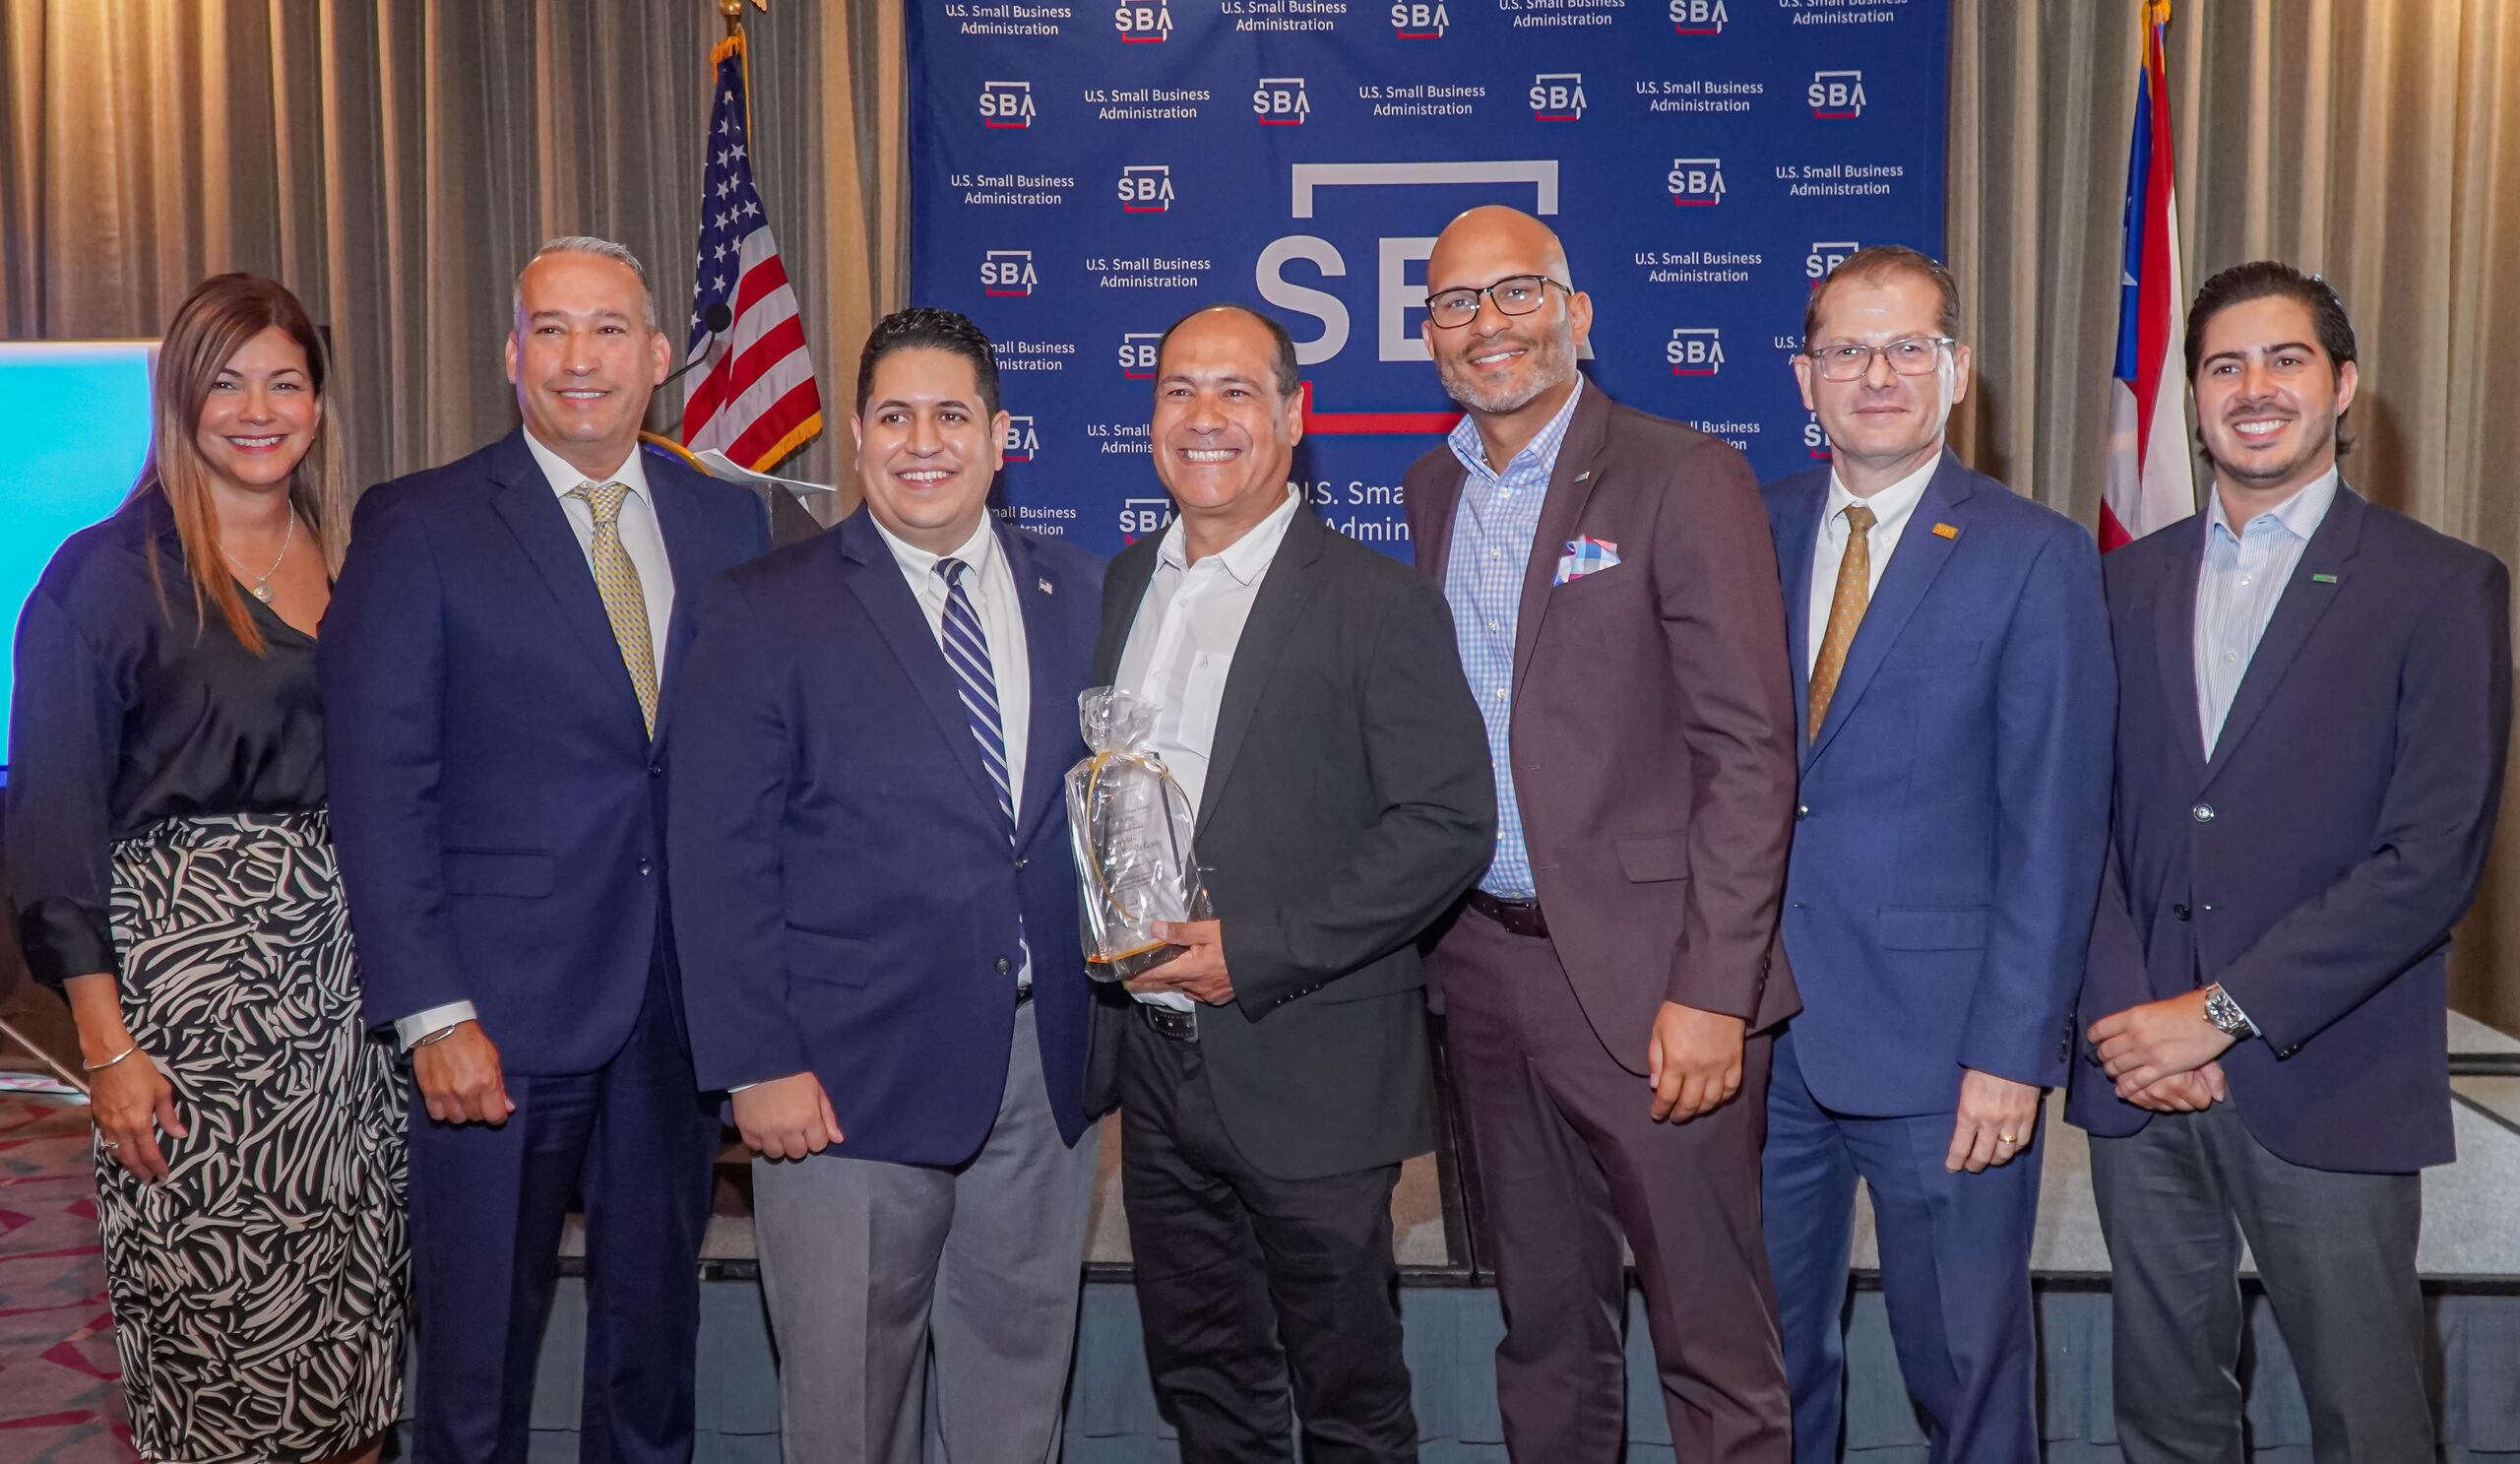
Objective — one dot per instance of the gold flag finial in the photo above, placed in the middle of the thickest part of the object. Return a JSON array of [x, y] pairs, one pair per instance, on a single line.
[[733, 12]]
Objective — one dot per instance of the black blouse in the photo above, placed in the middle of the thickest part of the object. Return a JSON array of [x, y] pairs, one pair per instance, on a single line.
[[131, 709]]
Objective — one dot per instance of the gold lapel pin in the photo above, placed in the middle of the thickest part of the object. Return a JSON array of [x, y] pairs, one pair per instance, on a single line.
[[1946, 530]]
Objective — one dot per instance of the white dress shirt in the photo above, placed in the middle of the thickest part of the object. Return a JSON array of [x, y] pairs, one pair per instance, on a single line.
[[1891, 507], [645, 543], [1182, 645]]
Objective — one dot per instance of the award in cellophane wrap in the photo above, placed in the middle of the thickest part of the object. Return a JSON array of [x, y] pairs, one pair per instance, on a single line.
[[1131, 826]]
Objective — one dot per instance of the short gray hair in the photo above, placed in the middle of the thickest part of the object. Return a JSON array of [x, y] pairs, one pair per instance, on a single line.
[[600, 249]]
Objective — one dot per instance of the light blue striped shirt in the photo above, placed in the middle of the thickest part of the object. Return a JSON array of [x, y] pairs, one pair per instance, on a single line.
[[2236, 592], [1492, 546]]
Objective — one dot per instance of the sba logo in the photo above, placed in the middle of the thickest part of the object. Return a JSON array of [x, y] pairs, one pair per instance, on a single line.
[[1146, 188], [1021, 440], [1836, 96], [1141, 25], [1136, 355], [1280, 101], [1143, 516], [1815, 440], [1698, 16], [1008, 272], [1825, 257], [1006, 104], [1694, 351], [1695, 182], [1413, 20], [1557, 97]]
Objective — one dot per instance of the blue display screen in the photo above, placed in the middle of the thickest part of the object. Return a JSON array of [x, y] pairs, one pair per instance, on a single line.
[[76, 418]]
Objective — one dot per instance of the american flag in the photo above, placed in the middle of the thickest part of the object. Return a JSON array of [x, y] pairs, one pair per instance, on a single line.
[[2147, 482], [754, 400]]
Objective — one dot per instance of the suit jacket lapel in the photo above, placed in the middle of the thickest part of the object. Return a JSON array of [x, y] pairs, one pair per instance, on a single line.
[[1283, 593], [679, 521], [1570, 486], [1443, 500], [1052, 717], [1797, 528], [2305, 600], [2175, 640], [1124, 583], [875, 578], [533, 513], [1913, 566]]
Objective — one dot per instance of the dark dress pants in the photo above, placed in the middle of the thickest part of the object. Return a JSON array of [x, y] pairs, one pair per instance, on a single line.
[[1570, 1160], [637, 1141], [2336, 1254], [1955, 1271], [1251, 1287]]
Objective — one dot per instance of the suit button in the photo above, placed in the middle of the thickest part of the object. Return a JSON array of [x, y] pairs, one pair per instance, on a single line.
[[1020, 863], [1004, 966], [1801, 811], [2202, 814], [2179, 910], [655, 770], [644, 868]]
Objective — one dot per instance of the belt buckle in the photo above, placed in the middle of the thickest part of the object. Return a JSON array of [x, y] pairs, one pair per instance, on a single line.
[[1180, 1026]]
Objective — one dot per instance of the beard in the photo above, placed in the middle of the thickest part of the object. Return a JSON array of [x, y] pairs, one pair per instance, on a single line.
[[1549, 364], [2260, 475]]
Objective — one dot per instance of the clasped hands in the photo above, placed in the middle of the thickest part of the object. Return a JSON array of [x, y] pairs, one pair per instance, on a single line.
[[2163, 1054]]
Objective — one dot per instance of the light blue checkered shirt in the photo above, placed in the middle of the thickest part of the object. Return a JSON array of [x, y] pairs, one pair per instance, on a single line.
[[2236, 592], [1492, 546]]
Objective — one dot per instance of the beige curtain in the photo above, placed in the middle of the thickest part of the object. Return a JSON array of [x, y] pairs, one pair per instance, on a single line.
[[2376, 142], [394, 161]]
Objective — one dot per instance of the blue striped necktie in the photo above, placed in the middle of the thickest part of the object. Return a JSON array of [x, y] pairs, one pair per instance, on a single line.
[[967, 651]]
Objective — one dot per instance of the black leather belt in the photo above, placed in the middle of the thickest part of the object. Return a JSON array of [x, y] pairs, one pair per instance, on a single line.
[[1518, 916], [1180, 1026]]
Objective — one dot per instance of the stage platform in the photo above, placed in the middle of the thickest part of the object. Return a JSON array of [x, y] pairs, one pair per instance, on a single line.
[[56, 1402]]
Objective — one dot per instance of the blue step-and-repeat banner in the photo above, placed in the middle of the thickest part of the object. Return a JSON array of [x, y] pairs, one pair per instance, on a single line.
[[1085, 172]]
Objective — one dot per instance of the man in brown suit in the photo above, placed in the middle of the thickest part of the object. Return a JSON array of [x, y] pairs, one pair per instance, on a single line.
[[1607, 993]]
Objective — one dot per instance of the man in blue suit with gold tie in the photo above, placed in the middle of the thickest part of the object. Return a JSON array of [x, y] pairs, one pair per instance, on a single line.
[[1951, 661]]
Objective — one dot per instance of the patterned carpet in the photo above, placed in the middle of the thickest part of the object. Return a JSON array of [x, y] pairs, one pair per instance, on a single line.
[[60, 1392]]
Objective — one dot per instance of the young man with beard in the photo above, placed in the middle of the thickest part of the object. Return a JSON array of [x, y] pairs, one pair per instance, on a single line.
[[2315, 697], [1608, 991]]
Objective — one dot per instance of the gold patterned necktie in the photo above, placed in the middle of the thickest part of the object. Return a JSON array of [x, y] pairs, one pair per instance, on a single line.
[[1846, 613], [625, 601]]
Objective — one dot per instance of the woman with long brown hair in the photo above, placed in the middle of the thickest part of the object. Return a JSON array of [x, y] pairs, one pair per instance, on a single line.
[[174, 877]]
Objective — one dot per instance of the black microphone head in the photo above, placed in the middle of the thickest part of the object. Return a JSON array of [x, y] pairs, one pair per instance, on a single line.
[[716, 317]]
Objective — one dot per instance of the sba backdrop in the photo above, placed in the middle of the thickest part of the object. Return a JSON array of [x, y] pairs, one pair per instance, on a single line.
[[1085, 173]]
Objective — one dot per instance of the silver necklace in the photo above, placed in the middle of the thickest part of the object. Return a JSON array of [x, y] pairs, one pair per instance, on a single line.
[[262, 586]]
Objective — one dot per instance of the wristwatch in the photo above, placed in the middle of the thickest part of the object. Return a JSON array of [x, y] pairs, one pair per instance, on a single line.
[[2226, 1014]]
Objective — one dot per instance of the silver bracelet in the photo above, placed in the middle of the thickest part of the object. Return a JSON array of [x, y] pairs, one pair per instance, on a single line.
[[110, 1061]]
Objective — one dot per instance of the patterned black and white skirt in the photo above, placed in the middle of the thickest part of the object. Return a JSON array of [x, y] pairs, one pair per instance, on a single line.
[[260, 1294]]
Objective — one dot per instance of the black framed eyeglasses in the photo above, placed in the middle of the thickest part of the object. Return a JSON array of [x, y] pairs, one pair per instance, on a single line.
[[1909, 356], [1515, 294]]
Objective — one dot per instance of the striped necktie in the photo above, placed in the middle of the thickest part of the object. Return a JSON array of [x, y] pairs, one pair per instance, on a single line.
[[625, 601], [967, 651]]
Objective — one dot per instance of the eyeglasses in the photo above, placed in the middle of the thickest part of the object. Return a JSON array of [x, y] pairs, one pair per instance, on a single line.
[[1515, 294], [1911, 355]]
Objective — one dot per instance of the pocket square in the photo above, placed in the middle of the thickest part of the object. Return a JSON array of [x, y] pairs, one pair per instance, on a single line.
[[1585, 555]]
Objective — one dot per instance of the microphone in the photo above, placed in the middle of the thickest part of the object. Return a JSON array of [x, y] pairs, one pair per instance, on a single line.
[[714, 319]]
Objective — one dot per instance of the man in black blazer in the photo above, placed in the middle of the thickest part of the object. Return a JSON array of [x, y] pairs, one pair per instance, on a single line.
[[2316, 696], [1273, 1075]]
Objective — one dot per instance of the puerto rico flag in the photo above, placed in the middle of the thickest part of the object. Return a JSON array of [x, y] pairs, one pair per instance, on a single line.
[[2149, 480], [754, 399]]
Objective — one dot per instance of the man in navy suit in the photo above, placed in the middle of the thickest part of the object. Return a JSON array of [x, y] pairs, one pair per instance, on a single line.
[[1950, 659], [2317, 702], [870, 848], [495, 661]]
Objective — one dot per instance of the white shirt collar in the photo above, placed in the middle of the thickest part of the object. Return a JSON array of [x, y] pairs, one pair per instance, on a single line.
[[1246, 558], [1891, 505], [921, 565], [564, 479], [2301, 515]]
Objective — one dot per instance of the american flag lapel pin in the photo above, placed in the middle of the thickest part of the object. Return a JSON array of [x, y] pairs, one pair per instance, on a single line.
[[1045, 586]]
